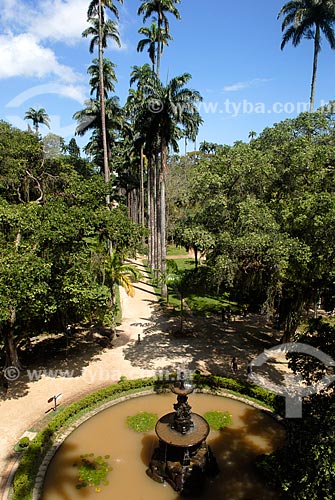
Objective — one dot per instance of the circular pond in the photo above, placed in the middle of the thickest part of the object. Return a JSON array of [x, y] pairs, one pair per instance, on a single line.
[[251, 433]]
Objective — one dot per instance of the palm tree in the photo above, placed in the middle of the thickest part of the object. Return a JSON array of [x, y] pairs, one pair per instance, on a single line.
[[151, 39], [89, 118], [159, 8], [110, 267], [167, 114], [252, 134], [93, 8], [38, 116], [101, 30], [109, 77], [109, 31], [308, 19]]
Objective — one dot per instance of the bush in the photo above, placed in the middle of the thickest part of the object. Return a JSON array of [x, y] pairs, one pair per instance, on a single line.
[[218, 420], [142, 422], [237, 387], [22, 444]]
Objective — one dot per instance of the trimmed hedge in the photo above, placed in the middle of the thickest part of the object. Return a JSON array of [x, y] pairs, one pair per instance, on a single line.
[[27, 470], [236, 387]]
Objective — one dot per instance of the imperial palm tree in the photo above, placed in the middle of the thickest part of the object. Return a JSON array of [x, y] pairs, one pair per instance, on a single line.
[[89, 118], [38, 116], [309, 19], [168, 114], [109, 31], [109, 77], [150, 41], [159, 8], [93, 8], [100, 30]]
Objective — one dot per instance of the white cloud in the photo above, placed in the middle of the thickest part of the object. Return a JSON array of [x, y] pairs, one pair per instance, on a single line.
[[57, 20], [22, 55], [245, 85], [54, 20], [60, 20], [29, 25]]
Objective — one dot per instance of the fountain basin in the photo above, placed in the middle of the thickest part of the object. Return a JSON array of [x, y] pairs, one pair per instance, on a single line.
[[252, 433]]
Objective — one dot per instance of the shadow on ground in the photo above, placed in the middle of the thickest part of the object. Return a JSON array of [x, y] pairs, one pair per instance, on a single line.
[[205, 344], [60, 355]]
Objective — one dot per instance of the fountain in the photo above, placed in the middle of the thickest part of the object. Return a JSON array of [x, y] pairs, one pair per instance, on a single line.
[[251, 433], [183, 459]]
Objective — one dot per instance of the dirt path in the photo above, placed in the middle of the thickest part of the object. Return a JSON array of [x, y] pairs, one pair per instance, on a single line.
[[148, 342]]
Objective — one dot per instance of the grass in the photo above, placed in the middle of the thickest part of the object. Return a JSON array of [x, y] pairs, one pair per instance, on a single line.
[[185, 263], [203, 305], [173, 250]]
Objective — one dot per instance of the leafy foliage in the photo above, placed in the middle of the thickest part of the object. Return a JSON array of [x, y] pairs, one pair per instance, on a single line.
[[92, 471], [269, 210], [305, 466], [218, 420], [142, 422]]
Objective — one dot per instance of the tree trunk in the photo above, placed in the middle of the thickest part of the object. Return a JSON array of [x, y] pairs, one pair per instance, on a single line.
[[195, 257], [163, 216], [12, 358], [142, 219], [315, 66], [102, 106], [156, 219], [159, 28], [152, 210]]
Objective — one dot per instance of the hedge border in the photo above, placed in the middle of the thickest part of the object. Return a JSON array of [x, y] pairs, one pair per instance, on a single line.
[[48, 440]]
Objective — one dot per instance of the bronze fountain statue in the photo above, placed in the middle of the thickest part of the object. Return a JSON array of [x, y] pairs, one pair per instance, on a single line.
[[183, 458]]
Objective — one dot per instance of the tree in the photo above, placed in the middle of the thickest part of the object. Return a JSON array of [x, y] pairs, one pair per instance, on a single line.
[[38, 116], [252, 134], [72, 148], [305, 465], [159, 8], [167, 114], [93, 7], [194, 237], [89, 118], [151, 39], [109, 31], [100, 30], [109, 77], [111, 269], [308, 19]]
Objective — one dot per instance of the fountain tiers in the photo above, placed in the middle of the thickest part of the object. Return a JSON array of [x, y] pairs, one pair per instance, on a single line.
[[183, 457]]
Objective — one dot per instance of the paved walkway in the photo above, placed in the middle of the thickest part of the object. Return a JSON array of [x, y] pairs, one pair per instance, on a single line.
[[21, 412]]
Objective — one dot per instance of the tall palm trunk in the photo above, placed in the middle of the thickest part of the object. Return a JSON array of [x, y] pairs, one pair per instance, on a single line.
[[159, 41], [163, 216], [151, 214], [156, 228], [142, 220], [315, 66], [102, 105]]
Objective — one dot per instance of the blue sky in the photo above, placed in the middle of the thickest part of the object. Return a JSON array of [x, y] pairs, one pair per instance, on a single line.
[[231, 49]]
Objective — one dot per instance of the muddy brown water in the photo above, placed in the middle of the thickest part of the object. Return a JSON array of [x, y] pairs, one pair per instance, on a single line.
[[252, 433]]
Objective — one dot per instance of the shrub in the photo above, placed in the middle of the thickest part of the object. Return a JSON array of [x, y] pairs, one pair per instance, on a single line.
[[218, 420], [246, 389], [142, 422]]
